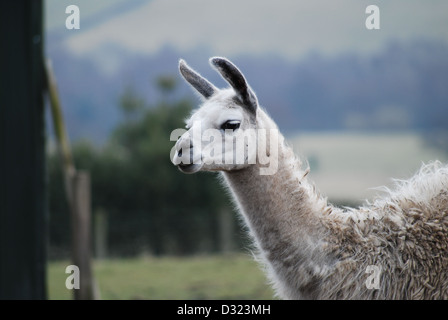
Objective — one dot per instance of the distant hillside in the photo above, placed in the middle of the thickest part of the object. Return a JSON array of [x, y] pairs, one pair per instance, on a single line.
[[349, 167], [404, 87]]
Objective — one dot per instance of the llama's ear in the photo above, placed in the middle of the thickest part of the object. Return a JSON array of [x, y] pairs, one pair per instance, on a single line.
[[236, 79], [202, 85]]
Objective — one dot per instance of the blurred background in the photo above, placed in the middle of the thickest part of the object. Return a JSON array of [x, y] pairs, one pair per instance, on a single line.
[[363, 106]]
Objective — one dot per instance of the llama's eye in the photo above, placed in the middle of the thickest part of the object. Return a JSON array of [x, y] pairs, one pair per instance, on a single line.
[[230, 125]]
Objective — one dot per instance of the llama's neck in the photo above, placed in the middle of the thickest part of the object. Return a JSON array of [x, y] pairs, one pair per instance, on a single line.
[[282, 211]]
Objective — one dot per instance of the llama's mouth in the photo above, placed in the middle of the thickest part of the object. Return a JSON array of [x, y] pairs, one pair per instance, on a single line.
[[189, 168]]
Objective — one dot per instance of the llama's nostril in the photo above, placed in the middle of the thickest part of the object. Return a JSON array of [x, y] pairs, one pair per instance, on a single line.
[[179, 153]]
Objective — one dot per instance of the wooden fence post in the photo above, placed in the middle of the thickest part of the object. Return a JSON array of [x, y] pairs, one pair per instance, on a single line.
[[77, 187], [81, 233], [226, 230], [100, 226]]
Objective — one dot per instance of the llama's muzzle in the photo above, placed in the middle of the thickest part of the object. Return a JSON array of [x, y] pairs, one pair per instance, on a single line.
[[184, 156]]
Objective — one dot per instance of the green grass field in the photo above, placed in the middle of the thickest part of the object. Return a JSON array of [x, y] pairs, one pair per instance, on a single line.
[[234, 276]]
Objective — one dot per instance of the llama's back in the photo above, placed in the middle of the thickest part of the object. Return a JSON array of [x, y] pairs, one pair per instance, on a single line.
[[426, 191], [421, 237], [404, 236]]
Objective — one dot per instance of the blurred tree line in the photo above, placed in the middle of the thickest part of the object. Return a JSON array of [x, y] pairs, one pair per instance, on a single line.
[[151, 207]]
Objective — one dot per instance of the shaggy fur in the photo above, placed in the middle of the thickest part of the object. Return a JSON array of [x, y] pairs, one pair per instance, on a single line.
[[313, 250]]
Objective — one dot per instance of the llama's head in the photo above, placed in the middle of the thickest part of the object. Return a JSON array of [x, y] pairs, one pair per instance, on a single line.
[[221, 134]]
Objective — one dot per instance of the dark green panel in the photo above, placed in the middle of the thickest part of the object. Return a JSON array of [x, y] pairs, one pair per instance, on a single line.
[[23, 216]]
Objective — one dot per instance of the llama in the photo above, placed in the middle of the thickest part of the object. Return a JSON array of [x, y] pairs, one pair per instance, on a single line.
[[395, 247]]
